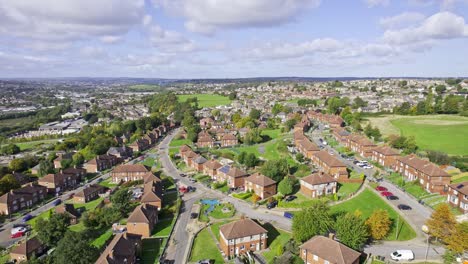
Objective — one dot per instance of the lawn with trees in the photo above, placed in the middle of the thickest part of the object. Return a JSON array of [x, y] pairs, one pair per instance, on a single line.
[[206, 100]]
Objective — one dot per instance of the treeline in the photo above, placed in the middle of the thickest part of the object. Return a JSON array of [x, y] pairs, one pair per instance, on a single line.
[[451, 104]]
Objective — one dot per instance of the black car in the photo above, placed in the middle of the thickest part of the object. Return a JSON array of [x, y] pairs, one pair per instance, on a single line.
[[404, 207], [193, 215], [272, 204], [290, 198], [183, 175], [392, 198], [191, 188], [356, 162]]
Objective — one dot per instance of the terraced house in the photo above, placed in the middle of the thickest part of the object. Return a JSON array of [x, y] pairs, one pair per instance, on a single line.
[[22, 198], [233, 176], [142, 220], [361, 145], [59, 182], [458, 196], [241, 236], [211, 167], [130, 172], [318, 184], [330, 165], [429, 175], [307, 147], [101, 162], [261, 185], [385, 156], [123, 248]]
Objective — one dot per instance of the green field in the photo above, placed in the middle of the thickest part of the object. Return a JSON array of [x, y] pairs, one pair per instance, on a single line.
[[204, 247], [206, 100], [445, 133], [367, 202]]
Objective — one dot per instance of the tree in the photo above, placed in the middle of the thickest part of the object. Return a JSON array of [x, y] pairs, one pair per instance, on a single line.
[[286, 186], [251, 160], [457, 241], [300, 157], [255, 114], [45, 167], [52, 230], [379, 224], [347, 115], [75, 248], [8, 182], [10, 149], [121, 200], [352, 231], [277, 108], [312, 221], [78, 159], [18, 164], [442, 222], [275, 169], [232, 95], [438, 157], [241, 157], [252, 137], [440, 89], [451, 104], [358, 103], [255, 198]]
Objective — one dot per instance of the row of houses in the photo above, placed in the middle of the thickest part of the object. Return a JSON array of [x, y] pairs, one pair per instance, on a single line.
[[234, 177], [150, 138], [224, 139]]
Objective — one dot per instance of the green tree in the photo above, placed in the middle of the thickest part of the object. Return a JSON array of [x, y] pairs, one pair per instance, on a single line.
[[442, 222], [440, 89], [347, 115], [18, 164], [275, 169], [10, 149], [51, 230], [75, 248], [78, 159], [253, 136], [232, 95], [358, 103], [251, 160], [451, 104], [457, 241], [255, 114], [277, 108], [121, 200], [311, 221], [379, 224], [241, 157], [286, 186], [352, 231], [300, 157], [45, 167], [421, 108], [8, 182]]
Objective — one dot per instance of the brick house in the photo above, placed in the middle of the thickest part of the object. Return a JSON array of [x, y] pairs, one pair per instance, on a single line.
[[100, 163], [123, 248], [457, 196], [60, 158], [385, 156], [183, 150], [211, 167], [361, 145], [142, 220], [88, 194], [79, 173], [129, 172], [25, 250], [22, 198], [152, 195], [229, 140], [198, 163], [318, 184], [70, 211], [341, 135], [206, 122], [59, 182], [432, 178], [233, 176], [122, 153], [261, 185], [140, 145], [320, 249], [189, 157], [205, 142], [330, 165], [298, 136], [241, 236], [307, 148]]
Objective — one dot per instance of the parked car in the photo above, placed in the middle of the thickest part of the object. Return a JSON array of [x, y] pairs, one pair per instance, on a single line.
[[20, 231], [205, 261], [192, 180], [27, 218], [183, 175], [392, 198], [272, 204], [288, 215], [385, 194], [193, 215], [191, 189], [290, 198], [367, 167], [100, 180], [404, 207], [183, 189], [356, 162], [56, 202], [402, 254], [381, 189]]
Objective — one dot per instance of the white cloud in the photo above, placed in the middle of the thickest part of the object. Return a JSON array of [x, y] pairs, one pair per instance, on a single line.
[[110, 39], [374, 3], [402, 20], [169, 41], [443, 25], [450, 4], [207, 16]]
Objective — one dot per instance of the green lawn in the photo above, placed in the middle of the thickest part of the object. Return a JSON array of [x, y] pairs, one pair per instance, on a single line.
[[206, 100], [4, 258], [218, 211], [179, 142], [108, 183], [152, 249], [300, 202], [163, 228], [215, 228], [204, 247], [102, 239], [463, 178], [149, 162], [34, 144], [345, 189], [89, 206], [366, 202], [243, 196], [432, 132], [272, 133], [276, 240]]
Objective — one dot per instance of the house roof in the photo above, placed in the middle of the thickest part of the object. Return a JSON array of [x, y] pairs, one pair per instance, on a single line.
[[89, 190], [330, 250], [184, 148], [213, 165], [386, 150], [67, 208], [229, 136], [318, 178], [130, 168], [142, 214], [149, 196], [236, 172], [200, 159], [329, 159], [461, 187], [241, 228], [259, 179], [119, 249], [309, 145], [205, 139], [27, 247], [424, 166]]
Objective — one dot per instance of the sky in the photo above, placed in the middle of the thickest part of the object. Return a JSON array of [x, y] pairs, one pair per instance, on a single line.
[[233, 38]]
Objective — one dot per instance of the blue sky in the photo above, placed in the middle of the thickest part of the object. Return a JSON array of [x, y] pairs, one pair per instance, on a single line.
[[225, 38]]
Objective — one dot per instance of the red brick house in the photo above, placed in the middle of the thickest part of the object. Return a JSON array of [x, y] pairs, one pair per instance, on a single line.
[[198, 163], [142, 220], [183, 150], [129, 172], [123, 248], [59, 182], [189, 157], [211, 167], [60, 158], [101, 162], [22, 198], [330, 165], [205, 142], [318, 184], [241, 236], [229, 140], [457, 196], [385, 156], [361, 145], [25, 250], [341, 135], [307, 148], [206, 122], [152, 195], [320, 250], [298, 136], [70, 211], [88, 193], [233, 176], [140, 145], [261, 185]]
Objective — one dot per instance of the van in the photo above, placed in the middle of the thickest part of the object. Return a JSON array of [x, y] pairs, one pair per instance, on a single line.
[[402, 254]]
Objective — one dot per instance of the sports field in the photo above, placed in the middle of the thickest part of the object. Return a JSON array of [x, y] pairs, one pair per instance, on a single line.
[[447, 133], [206, 100]]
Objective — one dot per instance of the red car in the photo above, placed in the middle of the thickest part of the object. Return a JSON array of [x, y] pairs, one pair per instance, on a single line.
[[17, 234], [386, 194], [183, 189], [381, 189]]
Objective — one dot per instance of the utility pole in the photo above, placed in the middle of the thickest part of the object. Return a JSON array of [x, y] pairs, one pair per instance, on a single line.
[[396, 233]]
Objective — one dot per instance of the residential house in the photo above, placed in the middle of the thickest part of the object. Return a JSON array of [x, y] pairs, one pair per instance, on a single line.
[[330, 165], [61, 157], [261, 185], [123, 249], [142, 220], [458, 196], [318, 184], [205, 142], [211, 167], [430, 176], [129, 172], [206, 122], [198, 163], [70, 211], [79, 173], [20, 178], [88, 193], [59, 182], [25, 250], [385, 156], [241, 236], [233, 176], [140, 145], [22, 198], [100, 163], [152, 195], [307, 148], [320, 249], [229, 140], [122, 153], [361, 145], [189, 157], [341, 135], [298, 136], [183, 150]]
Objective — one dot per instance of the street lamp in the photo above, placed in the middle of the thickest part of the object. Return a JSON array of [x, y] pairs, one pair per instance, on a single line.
[[425, 229]]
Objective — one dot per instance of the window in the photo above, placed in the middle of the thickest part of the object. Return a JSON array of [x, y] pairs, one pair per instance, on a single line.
[[315, 257], [242, 247], [304, 252]]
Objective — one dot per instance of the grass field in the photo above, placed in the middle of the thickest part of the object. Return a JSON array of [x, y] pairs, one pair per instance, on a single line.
[[33, 144], [152, 249], [206, 100], [102, 239], [204, 247], [433, 132], [179, 142], [163, 228], [367, 202], [345, 189], [276, 240]]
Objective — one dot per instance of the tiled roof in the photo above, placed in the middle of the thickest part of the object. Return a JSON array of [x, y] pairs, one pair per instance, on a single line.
[[259, 179], [461, 187], [318, 178], [241, 228], [329, 159], [130, 168], [330, 250]]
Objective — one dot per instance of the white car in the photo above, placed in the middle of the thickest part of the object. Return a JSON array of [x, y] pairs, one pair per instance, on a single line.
[[18, 230], [402, 254]]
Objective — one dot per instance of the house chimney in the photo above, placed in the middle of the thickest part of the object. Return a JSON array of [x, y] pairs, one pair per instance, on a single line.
[[331, 236]]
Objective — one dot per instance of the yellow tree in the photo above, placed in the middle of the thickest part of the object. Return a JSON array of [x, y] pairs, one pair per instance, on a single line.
[[442, 222], [457, 241], [379, 224], [255, 198]]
